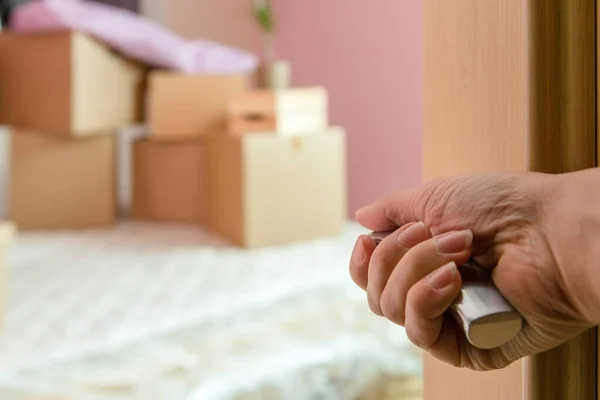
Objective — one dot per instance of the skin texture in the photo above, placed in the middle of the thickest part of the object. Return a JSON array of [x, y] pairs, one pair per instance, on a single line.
[[537, 233]]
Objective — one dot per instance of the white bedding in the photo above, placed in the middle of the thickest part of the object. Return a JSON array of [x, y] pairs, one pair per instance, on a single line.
[[157, 312]]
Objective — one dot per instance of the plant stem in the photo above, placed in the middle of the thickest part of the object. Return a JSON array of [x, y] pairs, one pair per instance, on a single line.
[[269, 48]]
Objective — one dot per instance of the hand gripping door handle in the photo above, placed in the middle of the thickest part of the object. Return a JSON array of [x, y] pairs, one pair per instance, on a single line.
[[487, 319]]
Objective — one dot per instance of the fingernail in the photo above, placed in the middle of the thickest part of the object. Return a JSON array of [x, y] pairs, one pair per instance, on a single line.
[[443, 276], [358, 254], [412, 234], [454, 242]]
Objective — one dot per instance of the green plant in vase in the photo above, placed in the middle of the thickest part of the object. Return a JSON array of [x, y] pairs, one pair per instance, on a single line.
[[274, 73], [263, 13]]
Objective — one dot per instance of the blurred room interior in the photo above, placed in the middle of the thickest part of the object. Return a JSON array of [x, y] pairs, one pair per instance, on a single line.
[[177, 189]]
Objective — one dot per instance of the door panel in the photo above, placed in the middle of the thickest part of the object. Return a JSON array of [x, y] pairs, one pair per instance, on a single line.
[[510, 85], [475, 121], [475, 114]]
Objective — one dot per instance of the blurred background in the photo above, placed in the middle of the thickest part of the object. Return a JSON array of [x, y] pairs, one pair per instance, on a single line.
[[368, 56], [177, 185]]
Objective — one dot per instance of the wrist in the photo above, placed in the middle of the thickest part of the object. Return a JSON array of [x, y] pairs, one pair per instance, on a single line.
[[572, 221]]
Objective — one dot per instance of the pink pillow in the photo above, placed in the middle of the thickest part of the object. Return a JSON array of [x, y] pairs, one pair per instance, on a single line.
[[132, 35]]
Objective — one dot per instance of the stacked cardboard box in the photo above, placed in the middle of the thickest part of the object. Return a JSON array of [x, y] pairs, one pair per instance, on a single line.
[[288, 112], [64, 95], [61, 183], [279, 174], [169, 166], [258, 167]]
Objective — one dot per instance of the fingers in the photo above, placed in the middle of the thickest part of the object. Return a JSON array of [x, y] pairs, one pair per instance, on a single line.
[[391, 211], [426, 303], [422, 260], [359, 263], [385, 257]]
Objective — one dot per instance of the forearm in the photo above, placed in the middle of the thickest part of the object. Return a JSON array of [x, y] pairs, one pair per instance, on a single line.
[[573, 223]]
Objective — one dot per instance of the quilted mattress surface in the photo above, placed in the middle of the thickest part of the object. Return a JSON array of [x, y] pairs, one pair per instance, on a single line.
[[168, 312]]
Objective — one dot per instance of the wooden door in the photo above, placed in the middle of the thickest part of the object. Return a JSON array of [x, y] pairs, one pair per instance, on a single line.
[[510, 85]]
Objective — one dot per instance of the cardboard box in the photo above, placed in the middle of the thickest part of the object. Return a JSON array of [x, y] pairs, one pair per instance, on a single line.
[[285, 112], [190, 106], [66, 84], [59, 183], [168, 181], [270, 190]]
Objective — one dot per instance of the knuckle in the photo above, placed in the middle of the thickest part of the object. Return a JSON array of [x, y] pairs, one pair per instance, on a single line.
[[437, 196], [392, 309], [374, 305], [377, 267], [427, 257], [381, 265], [377, 262], [423, 257], [356, 278], [353, 269], [418, 299], [414, 338], [389, 250]]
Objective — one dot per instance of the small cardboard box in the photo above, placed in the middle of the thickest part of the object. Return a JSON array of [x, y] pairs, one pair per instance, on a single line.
[[60, 183], [267, 190], [168, 181], [189, 106], [67, 84], [285, 112]]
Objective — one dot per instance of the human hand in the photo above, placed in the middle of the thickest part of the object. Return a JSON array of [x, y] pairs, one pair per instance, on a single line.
[[508, 224]]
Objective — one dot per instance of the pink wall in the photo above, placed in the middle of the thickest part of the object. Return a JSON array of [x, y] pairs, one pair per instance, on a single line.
[[368, 54], [226, 21]]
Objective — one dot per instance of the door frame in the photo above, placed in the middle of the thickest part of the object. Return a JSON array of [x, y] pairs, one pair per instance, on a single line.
[[562, 38]]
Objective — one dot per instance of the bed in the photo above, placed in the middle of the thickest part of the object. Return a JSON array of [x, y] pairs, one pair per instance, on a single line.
[[170, 312]]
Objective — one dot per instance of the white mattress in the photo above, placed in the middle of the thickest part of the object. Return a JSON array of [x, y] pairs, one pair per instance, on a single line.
[[158, 312]]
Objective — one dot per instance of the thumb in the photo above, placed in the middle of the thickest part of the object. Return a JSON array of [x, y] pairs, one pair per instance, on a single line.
[[392, 211]]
